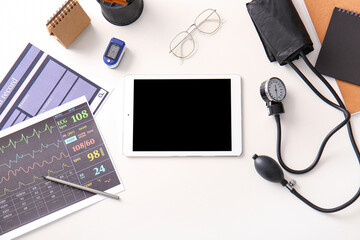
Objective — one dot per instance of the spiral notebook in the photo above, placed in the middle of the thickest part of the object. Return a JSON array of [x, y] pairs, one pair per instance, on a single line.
[[339, 56], [68, 22], [320, 12]]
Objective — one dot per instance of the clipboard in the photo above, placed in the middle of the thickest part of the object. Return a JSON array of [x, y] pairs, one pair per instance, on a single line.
[[320, 12]]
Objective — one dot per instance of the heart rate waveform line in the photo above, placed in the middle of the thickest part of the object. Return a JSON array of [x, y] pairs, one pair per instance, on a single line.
[[14, 173], [6, 190], [26, 138], [32, 155]]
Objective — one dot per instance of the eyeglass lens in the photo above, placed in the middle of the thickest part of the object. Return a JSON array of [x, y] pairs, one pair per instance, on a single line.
[[208, 21], [183, 44]]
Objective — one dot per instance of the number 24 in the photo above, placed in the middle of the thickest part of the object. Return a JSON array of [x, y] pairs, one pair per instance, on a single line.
[[99, 170]]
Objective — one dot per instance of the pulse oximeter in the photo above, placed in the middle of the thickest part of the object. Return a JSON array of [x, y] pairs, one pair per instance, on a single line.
[[114, 52]]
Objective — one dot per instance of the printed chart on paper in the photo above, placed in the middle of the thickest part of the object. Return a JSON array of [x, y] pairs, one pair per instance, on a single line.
[[37, 83], [67, 146]]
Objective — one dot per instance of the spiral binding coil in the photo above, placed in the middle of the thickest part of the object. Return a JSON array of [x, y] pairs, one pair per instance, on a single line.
[[61, 13], [356, 14]]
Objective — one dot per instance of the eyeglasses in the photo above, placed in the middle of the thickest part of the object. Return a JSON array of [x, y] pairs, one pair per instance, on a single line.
[[183, 44]]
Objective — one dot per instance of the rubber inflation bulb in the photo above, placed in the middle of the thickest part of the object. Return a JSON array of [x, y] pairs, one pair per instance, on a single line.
[[268, 168]]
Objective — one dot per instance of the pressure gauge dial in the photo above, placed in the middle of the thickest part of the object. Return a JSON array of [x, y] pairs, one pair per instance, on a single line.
[[273, 90]]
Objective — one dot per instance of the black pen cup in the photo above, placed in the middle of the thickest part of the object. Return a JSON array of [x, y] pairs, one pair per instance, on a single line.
[[122, 15]]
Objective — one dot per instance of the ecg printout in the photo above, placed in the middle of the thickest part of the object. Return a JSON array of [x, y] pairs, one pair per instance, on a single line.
[[64, 143], [37, 82]]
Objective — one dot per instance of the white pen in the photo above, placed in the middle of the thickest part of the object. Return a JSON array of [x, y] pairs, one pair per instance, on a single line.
[[81, 187]]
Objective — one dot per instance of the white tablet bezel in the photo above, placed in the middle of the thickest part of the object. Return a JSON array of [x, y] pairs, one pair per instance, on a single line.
[[236, 121]]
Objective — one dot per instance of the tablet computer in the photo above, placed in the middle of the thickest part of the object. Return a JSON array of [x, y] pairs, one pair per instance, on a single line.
[[182, 115]]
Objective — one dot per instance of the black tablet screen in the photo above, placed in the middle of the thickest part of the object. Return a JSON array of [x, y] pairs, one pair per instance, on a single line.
[[182, 115]]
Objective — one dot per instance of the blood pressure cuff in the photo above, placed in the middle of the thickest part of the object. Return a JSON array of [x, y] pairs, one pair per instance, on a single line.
[[280, 29]]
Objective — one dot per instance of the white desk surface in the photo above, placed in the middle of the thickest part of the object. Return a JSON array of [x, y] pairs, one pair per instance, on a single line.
[[199, 198]]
